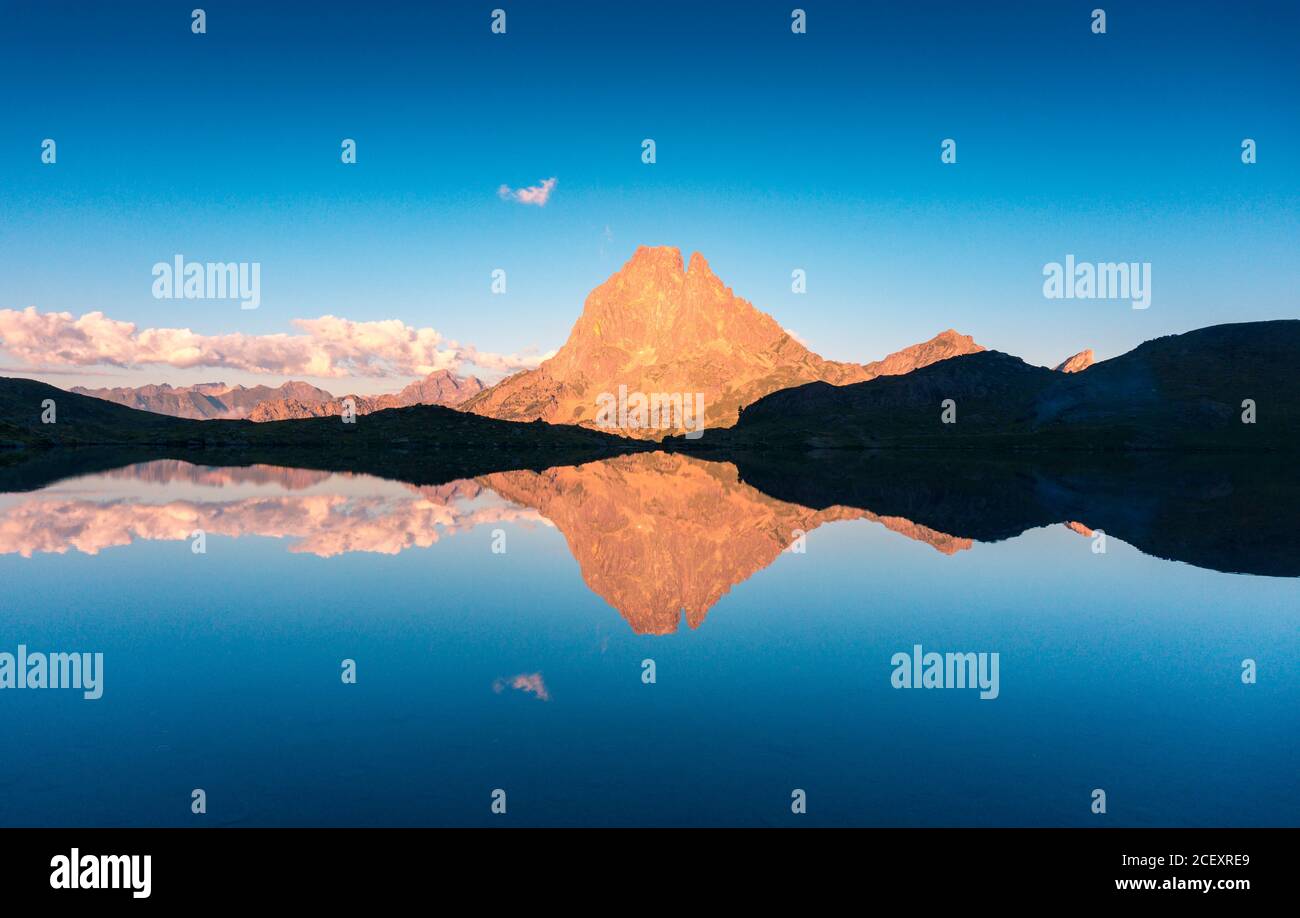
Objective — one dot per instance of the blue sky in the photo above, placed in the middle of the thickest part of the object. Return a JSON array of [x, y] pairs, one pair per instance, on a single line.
[[775, 151]]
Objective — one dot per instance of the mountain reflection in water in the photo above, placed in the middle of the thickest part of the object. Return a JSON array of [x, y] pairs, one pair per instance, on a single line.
[[659, 535]]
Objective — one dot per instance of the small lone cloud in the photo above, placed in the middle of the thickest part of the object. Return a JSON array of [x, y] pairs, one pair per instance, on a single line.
[[525, 682], [533, 194], [796, 336]]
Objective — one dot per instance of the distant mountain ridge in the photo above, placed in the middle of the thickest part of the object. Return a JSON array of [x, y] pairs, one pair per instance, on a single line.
[[203, 400], [942, 346], [1224, 388], [660, 326], [655, 326], [292, 399], [44, 429], [441, 387]]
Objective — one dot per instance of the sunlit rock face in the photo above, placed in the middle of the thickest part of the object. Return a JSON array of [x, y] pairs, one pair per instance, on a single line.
[[658, 536], [292, 399], [950, 343], [441, 387], [1080, 361], [661, 326], [661, 535], [206, 400]]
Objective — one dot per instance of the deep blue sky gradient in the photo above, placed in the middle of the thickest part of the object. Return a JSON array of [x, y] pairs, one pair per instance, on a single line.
[[775, 151]]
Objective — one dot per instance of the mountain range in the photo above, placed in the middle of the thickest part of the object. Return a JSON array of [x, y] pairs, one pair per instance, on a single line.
[[657, 325], [699, 526], [1226, 387], [44, 428], [660, 326], [441, 387], [292, 399]]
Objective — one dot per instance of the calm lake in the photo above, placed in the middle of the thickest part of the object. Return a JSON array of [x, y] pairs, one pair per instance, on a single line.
[[500, 629]]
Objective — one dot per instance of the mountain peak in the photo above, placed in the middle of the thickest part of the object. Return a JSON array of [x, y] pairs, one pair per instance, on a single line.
[[1080, 361], [655, 326], [704, 285], [698, 265], [953, 337], [946, 344], [654, 257]]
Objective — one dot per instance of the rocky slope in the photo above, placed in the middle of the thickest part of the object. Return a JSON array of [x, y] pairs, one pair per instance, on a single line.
[[441, 387], [204, 400], [291, 400], [1080, 361], [1226, 387], [691, 542], [941, 347], [664, 537], [658, 326]]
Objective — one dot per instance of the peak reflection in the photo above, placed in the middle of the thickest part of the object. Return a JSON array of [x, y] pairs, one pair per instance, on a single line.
[[664, 536]]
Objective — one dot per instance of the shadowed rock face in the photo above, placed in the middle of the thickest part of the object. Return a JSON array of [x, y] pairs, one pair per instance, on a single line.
[[1206, 389], [657, 326], [1222, 512]]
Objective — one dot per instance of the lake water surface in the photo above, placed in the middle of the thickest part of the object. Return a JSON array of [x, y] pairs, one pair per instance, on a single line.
[[500, 628]]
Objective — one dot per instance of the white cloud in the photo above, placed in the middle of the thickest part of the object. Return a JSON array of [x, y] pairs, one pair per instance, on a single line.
[[534, 194], [328, 346]]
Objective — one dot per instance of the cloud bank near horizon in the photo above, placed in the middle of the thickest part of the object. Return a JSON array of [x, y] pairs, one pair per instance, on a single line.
[[327, 347]]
